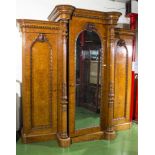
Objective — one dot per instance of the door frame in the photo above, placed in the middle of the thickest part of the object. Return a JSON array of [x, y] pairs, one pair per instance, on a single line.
[[74, 32]]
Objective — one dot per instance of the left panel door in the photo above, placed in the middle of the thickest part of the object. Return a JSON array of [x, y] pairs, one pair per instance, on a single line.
[[39, 79]]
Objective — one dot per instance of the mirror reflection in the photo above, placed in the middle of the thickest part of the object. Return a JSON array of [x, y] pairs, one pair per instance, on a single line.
[[88, 75]]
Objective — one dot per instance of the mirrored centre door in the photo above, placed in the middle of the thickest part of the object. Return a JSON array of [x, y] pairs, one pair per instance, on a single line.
[[86, 78]]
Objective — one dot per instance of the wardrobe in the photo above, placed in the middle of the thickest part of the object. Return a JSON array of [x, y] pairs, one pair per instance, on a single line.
[[76, 76]]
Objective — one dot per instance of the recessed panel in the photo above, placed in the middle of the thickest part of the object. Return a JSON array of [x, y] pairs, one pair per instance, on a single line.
[[120, 82], [40, 85]]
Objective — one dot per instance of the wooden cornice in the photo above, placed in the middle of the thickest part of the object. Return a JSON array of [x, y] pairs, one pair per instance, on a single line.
[[66, 12], [61, 12], [124, 32], [37, 24]]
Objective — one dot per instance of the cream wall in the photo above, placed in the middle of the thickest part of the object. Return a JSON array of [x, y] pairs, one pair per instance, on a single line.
[[40, 9]]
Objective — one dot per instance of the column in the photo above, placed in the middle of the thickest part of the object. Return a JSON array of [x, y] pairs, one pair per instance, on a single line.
[[109, 131]]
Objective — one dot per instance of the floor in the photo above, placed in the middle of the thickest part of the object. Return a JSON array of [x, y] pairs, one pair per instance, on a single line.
[[126, 143], [85, 118]]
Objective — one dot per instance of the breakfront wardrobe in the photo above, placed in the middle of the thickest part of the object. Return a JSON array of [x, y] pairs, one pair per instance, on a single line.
[[76, 76]]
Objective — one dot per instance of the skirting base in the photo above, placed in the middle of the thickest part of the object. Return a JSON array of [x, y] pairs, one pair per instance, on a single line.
[[30, 138], [88, 137], [123, 126]]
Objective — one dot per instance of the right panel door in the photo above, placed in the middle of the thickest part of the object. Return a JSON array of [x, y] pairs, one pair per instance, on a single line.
[[123, 53]]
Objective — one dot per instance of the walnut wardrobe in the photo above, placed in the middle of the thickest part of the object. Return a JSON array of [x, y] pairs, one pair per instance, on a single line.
[[76, 76]]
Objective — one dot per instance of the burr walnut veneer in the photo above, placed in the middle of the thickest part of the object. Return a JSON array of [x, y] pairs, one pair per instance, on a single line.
[[49, 75]]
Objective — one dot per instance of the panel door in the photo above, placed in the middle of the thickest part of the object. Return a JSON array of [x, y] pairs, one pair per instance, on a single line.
[[123, 50], [86, 85], [42, 43], [41, 84]]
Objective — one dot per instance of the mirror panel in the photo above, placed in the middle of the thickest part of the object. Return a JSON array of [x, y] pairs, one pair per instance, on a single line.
[[88, 77]]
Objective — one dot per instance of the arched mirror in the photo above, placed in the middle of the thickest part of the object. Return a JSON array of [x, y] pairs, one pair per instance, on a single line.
[[88, 80]]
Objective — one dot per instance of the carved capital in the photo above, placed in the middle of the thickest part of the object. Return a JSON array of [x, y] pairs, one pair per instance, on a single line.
[[111, 34], [64, 28], [65, 35]]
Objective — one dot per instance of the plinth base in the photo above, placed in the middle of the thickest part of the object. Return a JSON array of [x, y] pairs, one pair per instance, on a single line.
[[63, 142], [109, 135]]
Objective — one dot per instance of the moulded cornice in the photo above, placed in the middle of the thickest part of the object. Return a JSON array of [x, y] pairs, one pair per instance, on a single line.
[[37, 24], [126, 32], [61, 12], [66, 12]]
